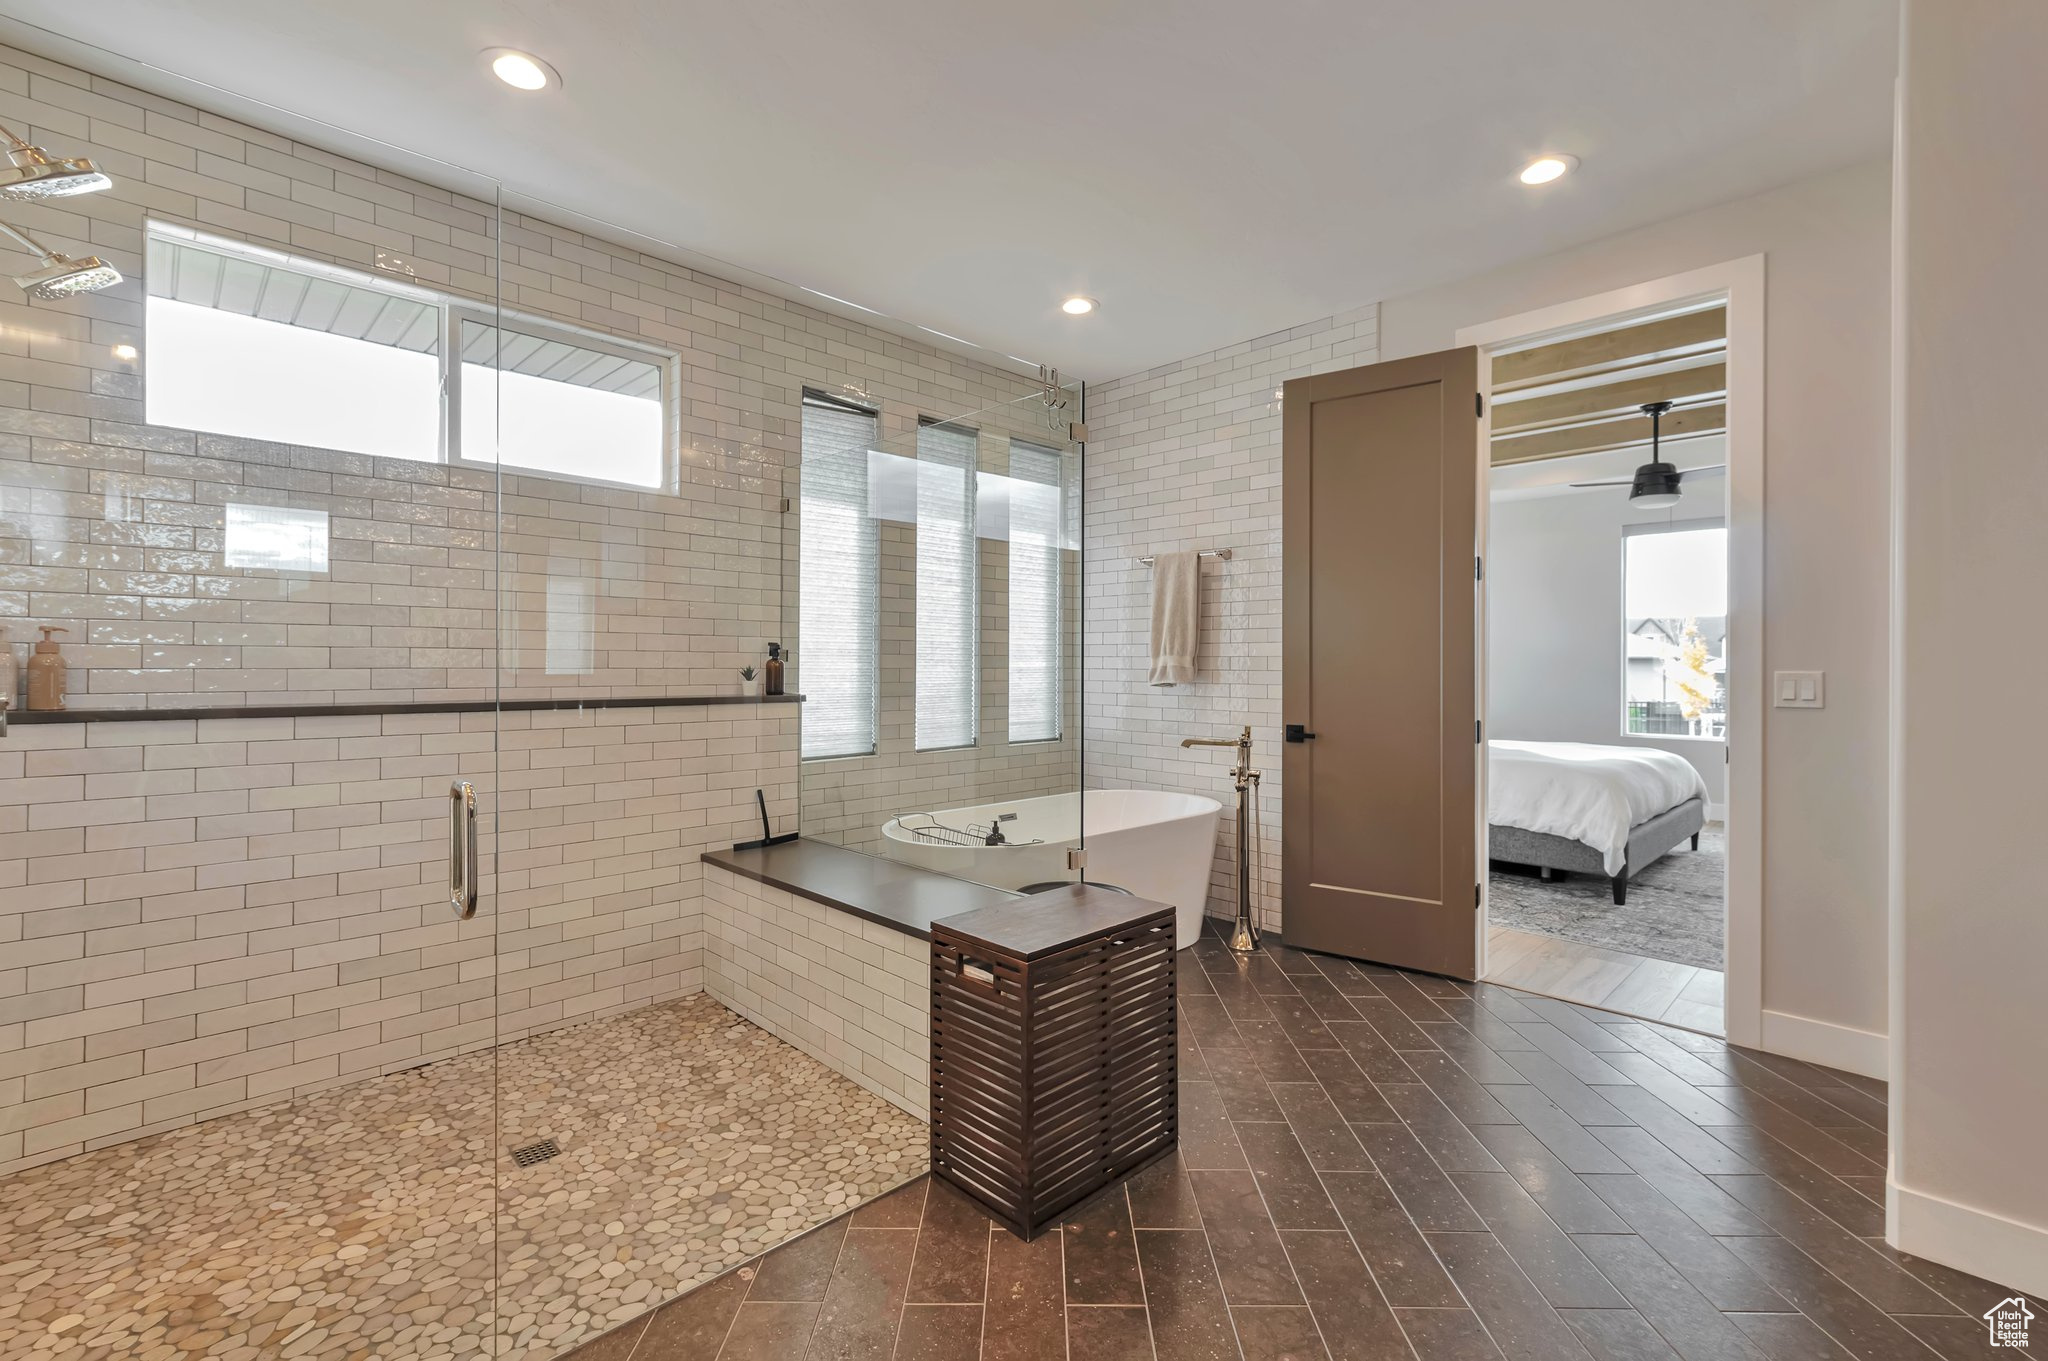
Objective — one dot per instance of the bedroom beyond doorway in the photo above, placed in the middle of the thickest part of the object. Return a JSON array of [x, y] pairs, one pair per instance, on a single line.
[[1607, 648]]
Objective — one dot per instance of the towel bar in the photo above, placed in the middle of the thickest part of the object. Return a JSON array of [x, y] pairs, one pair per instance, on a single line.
[[1223, 553]]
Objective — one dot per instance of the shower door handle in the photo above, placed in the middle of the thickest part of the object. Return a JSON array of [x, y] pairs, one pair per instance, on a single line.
[[1298, 732], [462, 874]]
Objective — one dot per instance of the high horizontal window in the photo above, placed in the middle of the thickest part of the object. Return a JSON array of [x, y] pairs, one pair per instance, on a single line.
[[1675, 630], [548, 404], [259, 345], [839, 568]]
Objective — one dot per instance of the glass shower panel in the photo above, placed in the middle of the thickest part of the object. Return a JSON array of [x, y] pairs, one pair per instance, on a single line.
[[232, 981], [938, 631], [650, 1138]]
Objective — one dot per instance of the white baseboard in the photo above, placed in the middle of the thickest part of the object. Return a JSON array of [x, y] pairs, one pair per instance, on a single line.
[[1966, 1238], [1835, 1046]]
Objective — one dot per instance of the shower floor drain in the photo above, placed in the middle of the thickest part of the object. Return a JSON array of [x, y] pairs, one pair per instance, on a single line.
[[530, 1154]]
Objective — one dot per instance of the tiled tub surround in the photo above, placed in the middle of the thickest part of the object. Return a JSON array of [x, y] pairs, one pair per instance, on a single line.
[[359, 1222], [113, 529], [207, 915], [853, 993], [1188, 456]]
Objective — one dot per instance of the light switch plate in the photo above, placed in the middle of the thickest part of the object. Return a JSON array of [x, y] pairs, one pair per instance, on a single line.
[[1799, 689]]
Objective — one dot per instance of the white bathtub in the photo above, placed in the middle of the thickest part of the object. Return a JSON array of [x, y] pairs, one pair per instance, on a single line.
[[1157, 845]]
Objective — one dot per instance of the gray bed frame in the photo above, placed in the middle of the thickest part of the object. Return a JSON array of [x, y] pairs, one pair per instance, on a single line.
[[1647, 841]]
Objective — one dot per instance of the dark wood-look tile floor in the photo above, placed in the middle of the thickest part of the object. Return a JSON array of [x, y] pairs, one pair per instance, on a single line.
[[1376, 1164]]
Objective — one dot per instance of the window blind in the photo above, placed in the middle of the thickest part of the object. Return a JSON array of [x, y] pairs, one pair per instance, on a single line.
[[948, 591], [1035, 651], [840, 570]]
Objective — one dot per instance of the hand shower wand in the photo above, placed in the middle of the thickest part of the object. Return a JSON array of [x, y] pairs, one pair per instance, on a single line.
[[1244, 934]]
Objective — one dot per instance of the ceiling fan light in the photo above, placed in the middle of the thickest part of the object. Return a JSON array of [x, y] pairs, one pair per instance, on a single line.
[[1655, 487]]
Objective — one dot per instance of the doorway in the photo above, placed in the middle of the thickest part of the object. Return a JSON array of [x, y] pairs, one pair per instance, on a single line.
[[1620, 638]]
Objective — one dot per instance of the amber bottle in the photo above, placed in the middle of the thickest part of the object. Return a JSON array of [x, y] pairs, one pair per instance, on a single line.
[[47, 678]]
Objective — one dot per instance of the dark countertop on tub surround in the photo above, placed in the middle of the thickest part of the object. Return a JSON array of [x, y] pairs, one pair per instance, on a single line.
[[887, 892]]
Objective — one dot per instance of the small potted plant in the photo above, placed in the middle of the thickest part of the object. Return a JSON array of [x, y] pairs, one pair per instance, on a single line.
[[747, 674]]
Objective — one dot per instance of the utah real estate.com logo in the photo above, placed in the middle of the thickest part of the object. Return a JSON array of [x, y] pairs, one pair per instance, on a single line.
[[2008, 1320]]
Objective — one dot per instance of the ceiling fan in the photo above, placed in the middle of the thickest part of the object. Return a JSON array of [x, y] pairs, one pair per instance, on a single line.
[[1655, 485]]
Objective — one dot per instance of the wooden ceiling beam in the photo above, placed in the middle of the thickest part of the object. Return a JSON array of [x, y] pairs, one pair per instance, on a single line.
[[1618, 398], [1684, 423], [1687, 333]]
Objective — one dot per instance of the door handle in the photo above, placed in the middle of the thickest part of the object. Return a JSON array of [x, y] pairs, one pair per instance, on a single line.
[[1296, 732], [462, 875]]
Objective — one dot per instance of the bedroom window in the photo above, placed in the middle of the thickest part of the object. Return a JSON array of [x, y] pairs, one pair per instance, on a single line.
[[1674, 630]]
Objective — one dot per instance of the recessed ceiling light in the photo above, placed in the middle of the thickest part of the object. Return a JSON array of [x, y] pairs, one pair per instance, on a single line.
[[521, 70], [1078, 306], [1544, 169]]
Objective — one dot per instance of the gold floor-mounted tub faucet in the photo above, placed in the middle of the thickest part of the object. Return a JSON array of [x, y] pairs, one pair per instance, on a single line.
[[1244, 936]]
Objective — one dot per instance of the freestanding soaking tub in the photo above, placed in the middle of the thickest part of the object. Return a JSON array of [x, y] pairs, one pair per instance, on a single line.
[[1157, 845]]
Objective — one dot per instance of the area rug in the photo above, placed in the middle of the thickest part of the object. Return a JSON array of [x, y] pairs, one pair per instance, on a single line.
[[1674, 909]]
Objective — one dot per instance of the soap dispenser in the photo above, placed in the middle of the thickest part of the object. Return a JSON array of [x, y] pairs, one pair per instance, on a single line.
[[47, 679], [772, 674]]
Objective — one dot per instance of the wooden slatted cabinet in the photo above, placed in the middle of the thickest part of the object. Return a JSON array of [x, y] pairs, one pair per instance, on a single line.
[[1055, 1059]]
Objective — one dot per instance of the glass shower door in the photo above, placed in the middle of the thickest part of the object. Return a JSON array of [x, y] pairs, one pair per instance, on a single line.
[[393, 1165]]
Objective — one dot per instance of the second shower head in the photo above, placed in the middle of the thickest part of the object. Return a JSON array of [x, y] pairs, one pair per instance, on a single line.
[[61, 276]]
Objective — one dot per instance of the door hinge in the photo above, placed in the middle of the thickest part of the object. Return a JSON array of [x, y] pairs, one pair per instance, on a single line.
[[785, 505], [1475, 895], [1077, 431], [1478, 404], [1479, 569], [1077, 858], [1479, 731]]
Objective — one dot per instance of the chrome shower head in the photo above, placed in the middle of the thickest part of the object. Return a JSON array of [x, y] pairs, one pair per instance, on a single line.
[[36, 174], [61, 276]]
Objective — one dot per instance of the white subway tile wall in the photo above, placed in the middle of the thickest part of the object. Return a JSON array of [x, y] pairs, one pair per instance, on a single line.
[[202, 915], [851, 994], [209, 915], [113, 529], [1184, 456]]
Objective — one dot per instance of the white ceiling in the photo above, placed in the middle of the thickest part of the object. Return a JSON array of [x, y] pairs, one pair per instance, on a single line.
[[1212, 170]]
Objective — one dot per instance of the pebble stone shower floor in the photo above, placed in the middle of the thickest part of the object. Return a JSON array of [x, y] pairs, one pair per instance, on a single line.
[[358, 1223]]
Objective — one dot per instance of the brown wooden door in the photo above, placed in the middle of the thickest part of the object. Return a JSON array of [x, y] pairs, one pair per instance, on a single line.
[[1381, 468]]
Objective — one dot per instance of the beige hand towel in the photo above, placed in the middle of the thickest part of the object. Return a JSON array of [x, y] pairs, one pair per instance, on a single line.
[[1176, 616]]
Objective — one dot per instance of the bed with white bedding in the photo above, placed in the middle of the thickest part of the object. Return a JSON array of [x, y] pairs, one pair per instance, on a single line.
[[1574, 806]]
